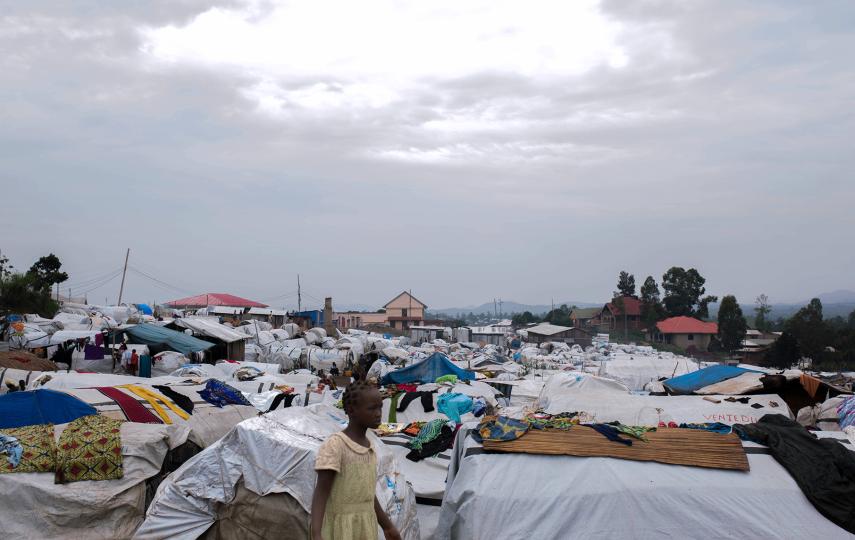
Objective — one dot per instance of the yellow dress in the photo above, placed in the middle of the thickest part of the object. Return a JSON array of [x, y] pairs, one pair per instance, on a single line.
[[350, 508]]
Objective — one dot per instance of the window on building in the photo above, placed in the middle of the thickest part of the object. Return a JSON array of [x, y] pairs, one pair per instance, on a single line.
[[691, 337], [404, 312]]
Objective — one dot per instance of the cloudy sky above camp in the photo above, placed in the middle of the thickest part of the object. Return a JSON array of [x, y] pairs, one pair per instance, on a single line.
[[466, 151]]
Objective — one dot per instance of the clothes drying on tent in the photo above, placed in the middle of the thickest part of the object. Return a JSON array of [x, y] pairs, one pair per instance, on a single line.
[[427, 371], [43, 406], [454, 405]]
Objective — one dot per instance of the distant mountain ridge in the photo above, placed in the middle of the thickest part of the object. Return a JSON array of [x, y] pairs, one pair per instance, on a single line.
[[508, 307]]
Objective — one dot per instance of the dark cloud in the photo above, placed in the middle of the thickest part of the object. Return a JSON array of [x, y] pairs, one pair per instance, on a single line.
[[722, 144]]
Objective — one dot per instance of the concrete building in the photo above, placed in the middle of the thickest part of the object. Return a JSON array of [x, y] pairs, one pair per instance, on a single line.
[[494, 335], [359, 319], [686, 333], [404, 311], [420, 334]]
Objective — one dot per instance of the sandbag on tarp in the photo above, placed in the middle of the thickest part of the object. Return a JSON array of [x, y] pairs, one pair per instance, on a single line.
[[433, 367], [688, 383], [19, 409]]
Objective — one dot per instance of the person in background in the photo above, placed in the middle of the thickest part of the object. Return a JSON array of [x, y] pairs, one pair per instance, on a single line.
[[334, 370], [344, 505], [134, 362], [126, 357]]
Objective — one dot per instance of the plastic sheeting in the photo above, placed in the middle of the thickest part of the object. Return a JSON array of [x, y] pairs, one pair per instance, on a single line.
[[34, 507], [688, 383], [273, 453], [493, 496], [429, 370]]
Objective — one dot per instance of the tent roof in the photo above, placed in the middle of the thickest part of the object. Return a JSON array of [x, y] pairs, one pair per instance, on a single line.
[[546, 329], [19, 409], [215, 299], [428, 370], [150, 334], [211, 329], [688, 383]]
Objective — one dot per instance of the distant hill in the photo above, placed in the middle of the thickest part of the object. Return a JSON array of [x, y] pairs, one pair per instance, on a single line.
[[508, 307], [837, 297]]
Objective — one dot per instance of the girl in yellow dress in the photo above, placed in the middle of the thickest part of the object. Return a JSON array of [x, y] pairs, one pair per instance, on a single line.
[[344, 506]]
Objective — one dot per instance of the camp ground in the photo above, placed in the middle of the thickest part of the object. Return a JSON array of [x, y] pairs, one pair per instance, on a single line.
[[217, 437]]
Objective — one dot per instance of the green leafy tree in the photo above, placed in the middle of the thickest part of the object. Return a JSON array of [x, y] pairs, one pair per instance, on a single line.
[[809, 329], [784, 353], [626, 284], [683, 291], [703, 311], [731, 324], [761, 311], [651, 304], [524, 318], [21, 295], [45, 272]]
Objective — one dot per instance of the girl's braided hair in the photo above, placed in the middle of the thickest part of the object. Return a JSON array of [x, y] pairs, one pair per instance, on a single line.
[[353, 392]]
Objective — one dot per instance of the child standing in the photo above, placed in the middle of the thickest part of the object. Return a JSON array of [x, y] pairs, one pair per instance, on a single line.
[[344, 506]]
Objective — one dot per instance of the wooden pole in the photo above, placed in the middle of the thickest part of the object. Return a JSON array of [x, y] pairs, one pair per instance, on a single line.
[[124, 272]]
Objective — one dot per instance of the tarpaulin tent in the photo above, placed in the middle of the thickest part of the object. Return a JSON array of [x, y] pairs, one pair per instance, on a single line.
[[150, 334], [144, 308], [432, 367], [688, 383], [19, 409]]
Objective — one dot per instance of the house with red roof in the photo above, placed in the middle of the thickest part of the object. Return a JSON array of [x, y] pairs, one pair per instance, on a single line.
[[685, 332], [214, 299], [611, 316]]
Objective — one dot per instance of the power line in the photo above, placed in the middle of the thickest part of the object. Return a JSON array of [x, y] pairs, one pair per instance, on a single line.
[[86, 282], [155, 280]]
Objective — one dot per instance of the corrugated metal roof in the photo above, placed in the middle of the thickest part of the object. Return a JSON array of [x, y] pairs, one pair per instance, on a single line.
[[215, 299], [546, 329]]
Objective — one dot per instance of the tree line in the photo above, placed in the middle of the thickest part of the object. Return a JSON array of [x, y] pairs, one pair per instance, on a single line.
[[30, 291]]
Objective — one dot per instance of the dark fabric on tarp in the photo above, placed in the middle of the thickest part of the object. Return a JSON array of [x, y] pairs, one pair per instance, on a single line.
[[425, 397], [823, 468], [29, 408], [287, 398], [431, 448], [179, 399], [427, 371]]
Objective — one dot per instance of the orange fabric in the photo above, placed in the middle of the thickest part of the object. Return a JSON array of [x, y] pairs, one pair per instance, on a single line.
[[810, 384]]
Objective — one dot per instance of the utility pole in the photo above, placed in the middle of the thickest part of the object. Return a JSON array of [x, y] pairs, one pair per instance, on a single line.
[[299, 296], [125, 271], [501, 309]]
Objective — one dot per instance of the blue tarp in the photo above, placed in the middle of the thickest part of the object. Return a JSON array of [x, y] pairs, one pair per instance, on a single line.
[[18, 409], [688, 383], [145, 308], [428, 370], [151, 334]]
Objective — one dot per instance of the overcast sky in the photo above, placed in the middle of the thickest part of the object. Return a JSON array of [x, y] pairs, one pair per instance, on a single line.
[[464, 150]]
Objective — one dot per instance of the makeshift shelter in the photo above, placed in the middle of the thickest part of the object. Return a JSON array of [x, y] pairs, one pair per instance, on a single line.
[[19, 409], [527, 496], [265, 462], [426, 371], [157, 337], [690, 382], [230, 343]]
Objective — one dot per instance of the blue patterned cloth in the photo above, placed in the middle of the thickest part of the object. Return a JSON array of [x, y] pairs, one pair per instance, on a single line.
[[220, 394], [12, 448], [499, 428], [846, 412]]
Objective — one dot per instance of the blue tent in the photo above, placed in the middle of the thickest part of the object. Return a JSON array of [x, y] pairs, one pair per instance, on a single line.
[[18, 409], [428, 370], [145, 308], [688, 383], [151, 334]]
